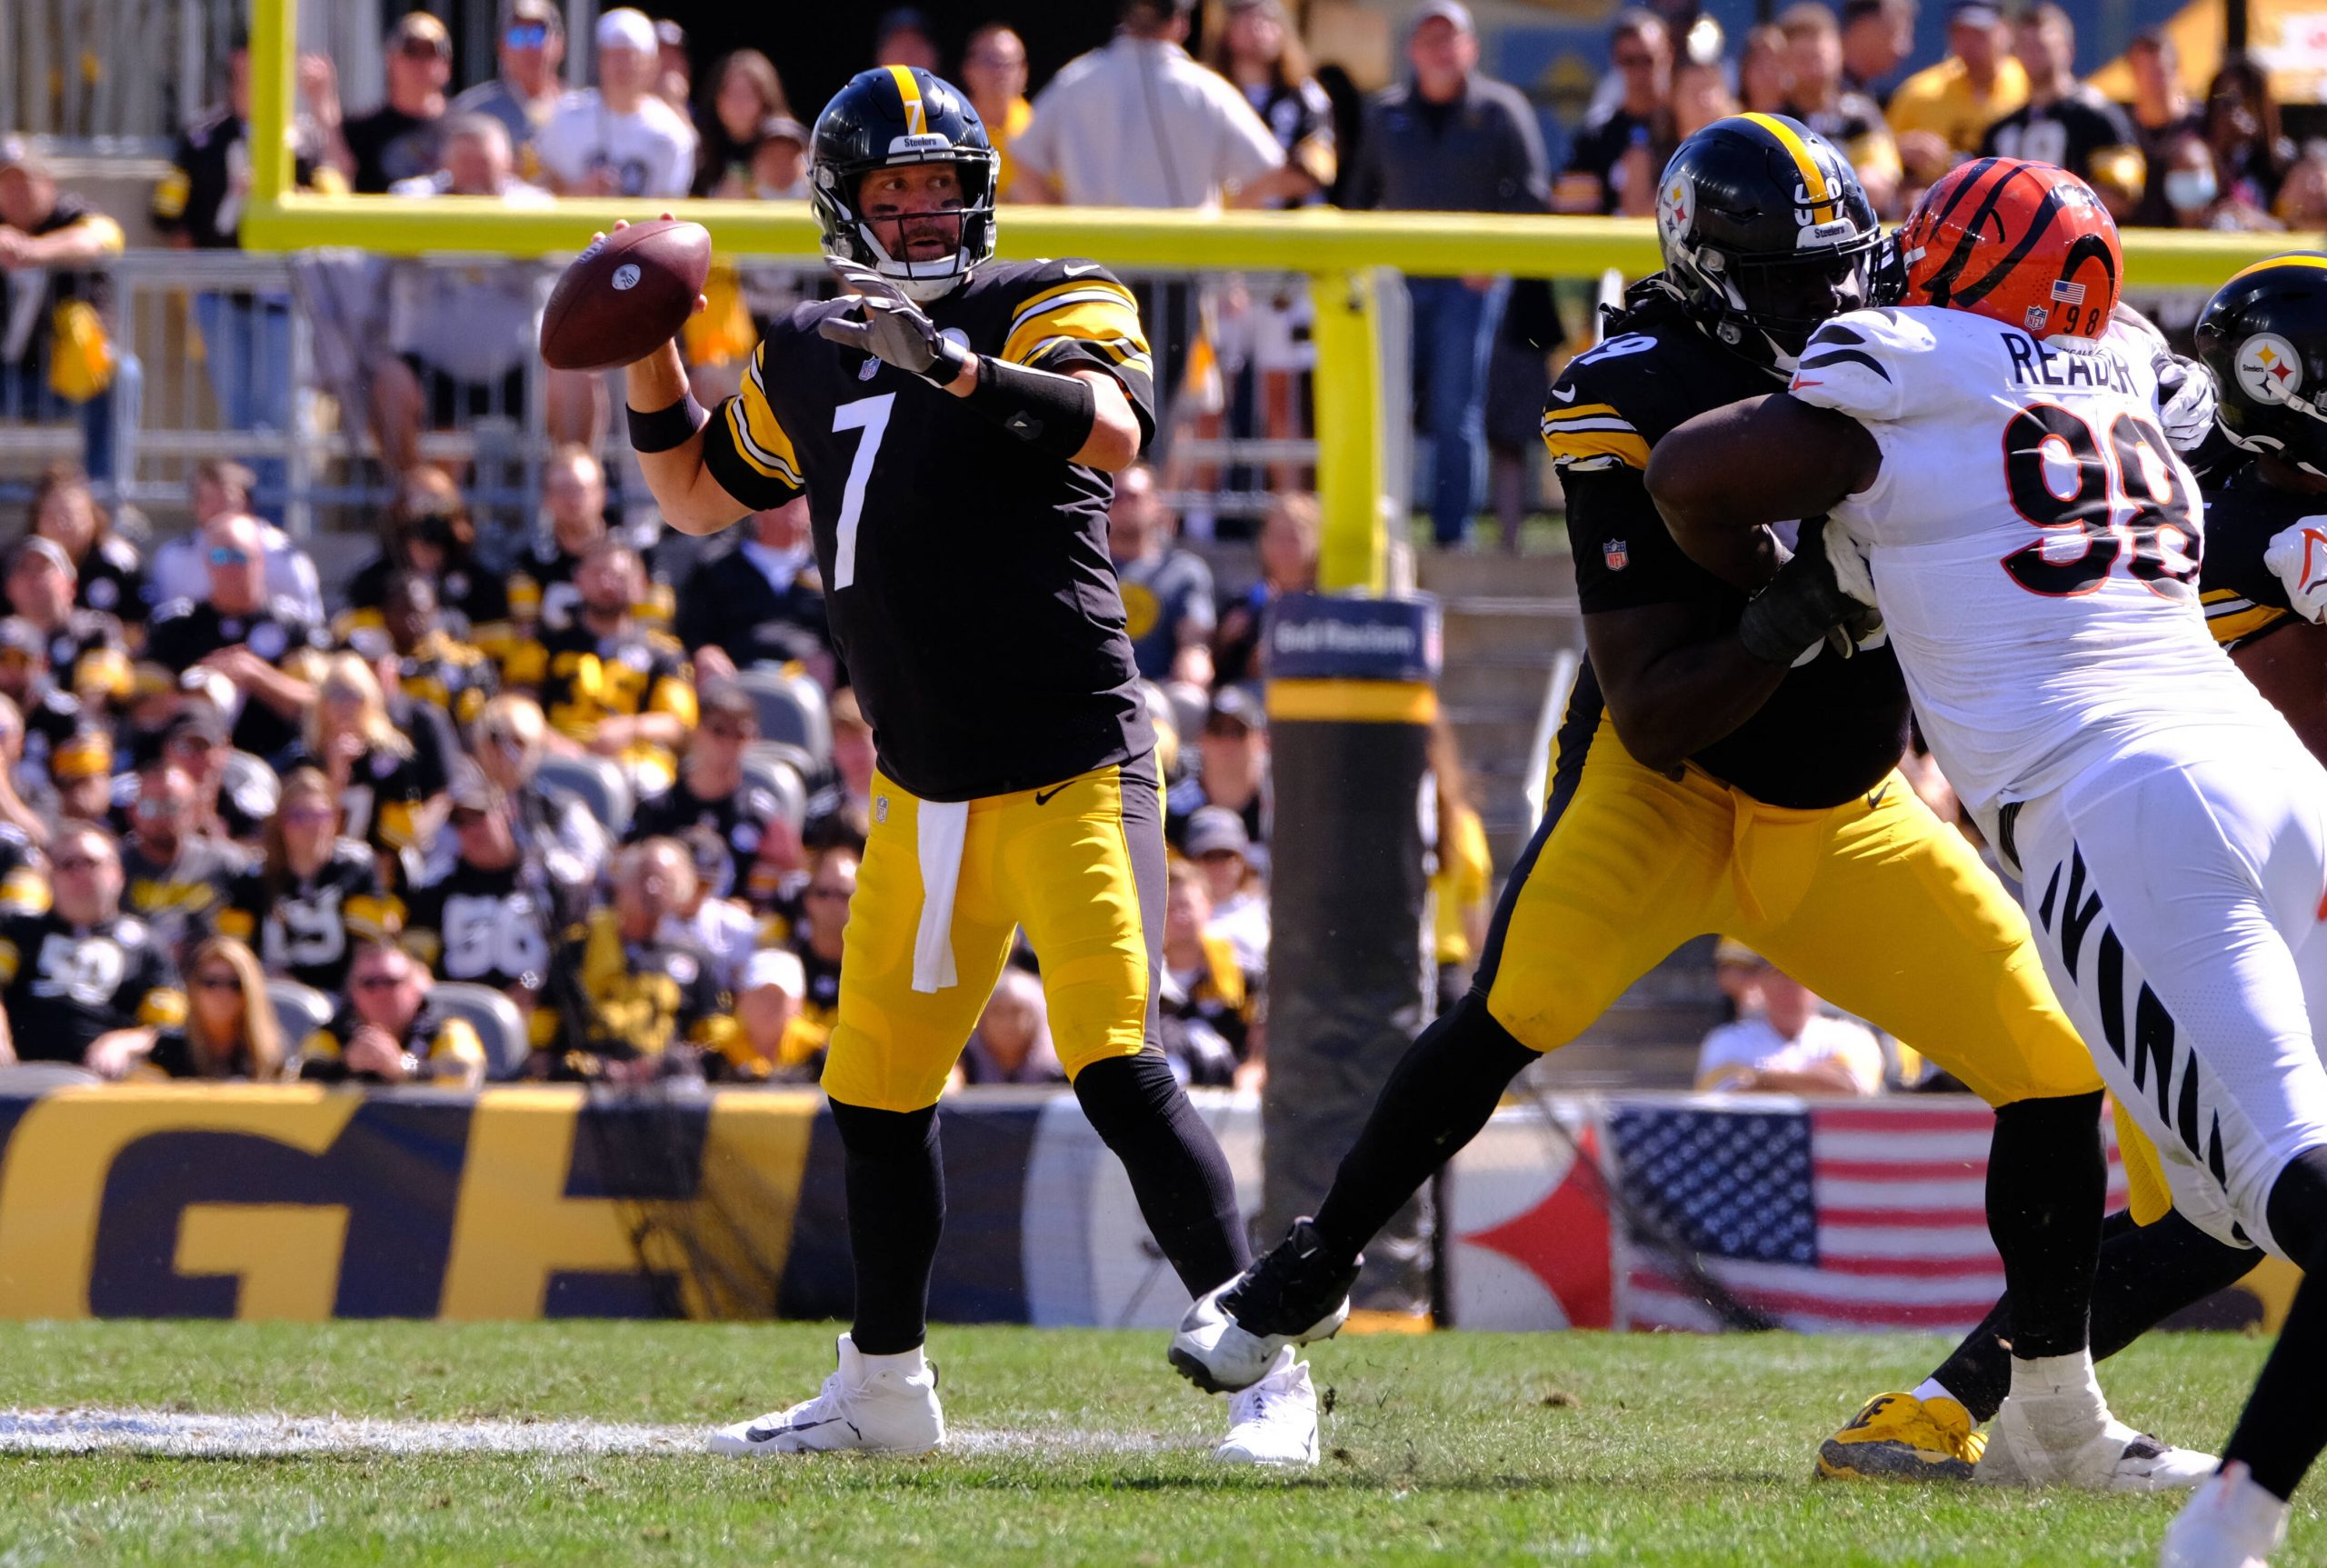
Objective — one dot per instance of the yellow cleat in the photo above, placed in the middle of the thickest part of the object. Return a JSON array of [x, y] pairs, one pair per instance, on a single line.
[[1898, 1437]]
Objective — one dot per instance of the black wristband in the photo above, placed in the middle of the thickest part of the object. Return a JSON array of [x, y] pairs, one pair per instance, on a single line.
[[666, 428], [1052, 413]]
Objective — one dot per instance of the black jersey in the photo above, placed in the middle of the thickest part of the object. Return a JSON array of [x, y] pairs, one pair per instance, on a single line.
[[628, 999], [581, 677], [113, 579], [1834, 726], [729, 603], [740, 819], [63, 986], [181, 898], [966, 574], [385, 790], [2245, 600], [185, 632], [486, 927], [2068, 131], [445, 1046], [308, 926]]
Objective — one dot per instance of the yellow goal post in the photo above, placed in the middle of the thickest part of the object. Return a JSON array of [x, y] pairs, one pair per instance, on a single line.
[[1339, 252]]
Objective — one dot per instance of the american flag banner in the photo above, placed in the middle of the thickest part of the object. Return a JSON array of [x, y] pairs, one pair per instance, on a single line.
[[1819, 1217]]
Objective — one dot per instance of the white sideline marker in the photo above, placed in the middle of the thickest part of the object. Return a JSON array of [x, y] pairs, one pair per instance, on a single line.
[[177, 1434]]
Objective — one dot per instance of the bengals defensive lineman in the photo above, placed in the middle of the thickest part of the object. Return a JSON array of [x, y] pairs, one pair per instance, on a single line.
[[2170, 828], [1723, 769], [955, 422]]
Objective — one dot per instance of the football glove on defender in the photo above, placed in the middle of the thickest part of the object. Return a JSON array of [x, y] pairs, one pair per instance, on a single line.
[[894, 330], [2299, 555], [1805, 606]]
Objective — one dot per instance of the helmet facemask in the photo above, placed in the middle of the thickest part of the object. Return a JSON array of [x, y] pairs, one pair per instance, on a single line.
[[1767, 306], [850, 235]]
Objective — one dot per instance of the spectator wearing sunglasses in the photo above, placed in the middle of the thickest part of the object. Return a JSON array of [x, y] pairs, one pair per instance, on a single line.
[[225, 804], [429, 529], [486, 918], [617, 138], [260, 648], [712, 794], [75, 977], [314, 895], [397, 140], [388, 779], [387, 1030], [525, 89], [180, 567], [229, 1034]]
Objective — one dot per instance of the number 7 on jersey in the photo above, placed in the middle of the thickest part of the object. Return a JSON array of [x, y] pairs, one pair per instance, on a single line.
[[871, 415]]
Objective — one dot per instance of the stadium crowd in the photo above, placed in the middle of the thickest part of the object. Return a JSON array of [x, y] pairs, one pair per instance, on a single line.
[[242, 840], [542, 761]]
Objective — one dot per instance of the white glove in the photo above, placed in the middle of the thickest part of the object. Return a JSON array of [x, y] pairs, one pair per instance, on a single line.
[[2299, 555], [2186, 396]]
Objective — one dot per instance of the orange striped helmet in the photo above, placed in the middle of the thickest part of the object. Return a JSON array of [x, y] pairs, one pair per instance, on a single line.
[[2026, 244]]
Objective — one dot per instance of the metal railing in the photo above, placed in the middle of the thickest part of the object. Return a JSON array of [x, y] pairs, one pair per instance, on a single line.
[[276, 362]]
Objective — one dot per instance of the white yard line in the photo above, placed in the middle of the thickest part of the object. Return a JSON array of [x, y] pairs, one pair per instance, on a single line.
[[188, 1435]]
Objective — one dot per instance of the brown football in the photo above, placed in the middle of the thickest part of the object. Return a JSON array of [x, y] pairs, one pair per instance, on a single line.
[[626, 295]]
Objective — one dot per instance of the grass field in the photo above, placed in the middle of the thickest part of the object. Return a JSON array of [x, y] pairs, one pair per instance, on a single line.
[[1079, 1447]]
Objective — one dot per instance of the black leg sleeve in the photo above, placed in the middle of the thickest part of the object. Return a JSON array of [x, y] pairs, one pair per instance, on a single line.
[[1177, 1171], [2285, 1422], [896, 1210], [2147, 1273], [2048, 1183], [1442, 1092]]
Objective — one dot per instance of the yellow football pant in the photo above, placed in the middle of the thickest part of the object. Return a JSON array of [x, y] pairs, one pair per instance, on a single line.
[[1874, 905], [1079, 864]]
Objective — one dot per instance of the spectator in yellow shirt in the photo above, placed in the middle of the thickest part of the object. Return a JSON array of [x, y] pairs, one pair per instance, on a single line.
[[1941, 112], [994, 72]]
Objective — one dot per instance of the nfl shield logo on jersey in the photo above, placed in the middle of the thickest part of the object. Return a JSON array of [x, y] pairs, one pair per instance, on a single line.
[[1617, 557]]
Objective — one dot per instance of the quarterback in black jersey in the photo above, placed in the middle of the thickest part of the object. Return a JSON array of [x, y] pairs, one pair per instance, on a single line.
[[1712, 777], [955, 422]]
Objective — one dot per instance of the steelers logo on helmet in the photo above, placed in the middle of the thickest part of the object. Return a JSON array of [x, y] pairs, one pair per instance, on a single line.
[[1766, 234], [895, 116], [1674, 199], [2264, 336], [2270, 368]]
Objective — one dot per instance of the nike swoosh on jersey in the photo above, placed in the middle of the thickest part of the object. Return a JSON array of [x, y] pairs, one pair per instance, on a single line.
[[1875, 797], [1080, 271], [1564, 395], [1045, 797]]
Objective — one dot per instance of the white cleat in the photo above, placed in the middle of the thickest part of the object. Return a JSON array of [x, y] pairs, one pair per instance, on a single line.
[[1274, 1422], [872, 1405], [2229, 1522], [2112, 1457]]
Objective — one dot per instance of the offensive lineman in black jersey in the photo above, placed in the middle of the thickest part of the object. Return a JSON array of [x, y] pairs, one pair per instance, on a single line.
[[955, 425], [1715, 774]]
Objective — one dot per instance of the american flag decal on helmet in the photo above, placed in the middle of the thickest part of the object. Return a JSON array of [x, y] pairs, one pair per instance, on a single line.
[[2069, 294]]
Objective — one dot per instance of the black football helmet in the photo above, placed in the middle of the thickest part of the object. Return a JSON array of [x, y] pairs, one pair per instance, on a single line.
[[2264, 336], [895, 114], [1766, 234]]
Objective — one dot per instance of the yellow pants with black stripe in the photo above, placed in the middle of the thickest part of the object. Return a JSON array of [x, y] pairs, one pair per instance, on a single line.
[[1079, 864], [1874, 905]]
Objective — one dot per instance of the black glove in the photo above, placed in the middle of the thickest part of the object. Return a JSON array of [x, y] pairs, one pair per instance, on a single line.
[[1801, 606], [893, 330]]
